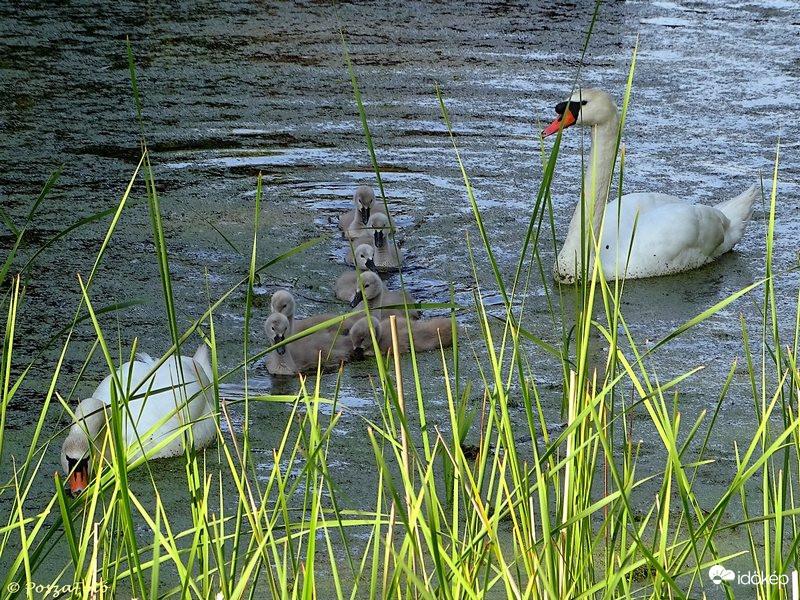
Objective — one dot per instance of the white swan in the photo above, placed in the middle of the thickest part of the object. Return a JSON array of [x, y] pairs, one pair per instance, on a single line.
[[670, 235], [302, 355], [353, 222], [155, 406]]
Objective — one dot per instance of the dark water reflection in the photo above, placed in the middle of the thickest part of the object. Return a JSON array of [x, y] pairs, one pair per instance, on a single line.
[[231, 90]]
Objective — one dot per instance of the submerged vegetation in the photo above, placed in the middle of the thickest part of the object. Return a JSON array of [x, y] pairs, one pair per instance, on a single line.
[[528, 512]]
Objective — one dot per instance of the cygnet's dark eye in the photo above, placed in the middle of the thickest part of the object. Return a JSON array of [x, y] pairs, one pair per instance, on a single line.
[[583, 102]]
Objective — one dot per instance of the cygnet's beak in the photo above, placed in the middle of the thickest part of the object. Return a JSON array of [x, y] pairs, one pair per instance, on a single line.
[[371, 265], [358, 353], [364, 212], [278, 339], [357, 299], [379, 238]]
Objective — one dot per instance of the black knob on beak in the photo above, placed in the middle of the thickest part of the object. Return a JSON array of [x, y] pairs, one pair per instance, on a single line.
[[357, 299], [278, 340]]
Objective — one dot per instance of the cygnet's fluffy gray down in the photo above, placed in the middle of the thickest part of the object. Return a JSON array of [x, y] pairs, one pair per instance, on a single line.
[[353, 222], [388, 257], [283, 302], [377, 294], [347, 283], [371, 290], [305, 354], [427, 334]]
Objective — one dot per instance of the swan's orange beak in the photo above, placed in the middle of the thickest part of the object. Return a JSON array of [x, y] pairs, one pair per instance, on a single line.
[[568, 119], [79, 479]]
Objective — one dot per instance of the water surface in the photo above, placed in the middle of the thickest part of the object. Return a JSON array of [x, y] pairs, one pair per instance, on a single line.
[[234, 90]]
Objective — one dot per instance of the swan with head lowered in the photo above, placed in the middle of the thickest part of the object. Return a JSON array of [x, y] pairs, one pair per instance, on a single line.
[[156, 404], [645, 234], [361, 254]]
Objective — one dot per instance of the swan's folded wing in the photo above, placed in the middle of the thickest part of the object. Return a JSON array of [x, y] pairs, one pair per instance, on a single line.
[[644, 202], [667, 239]]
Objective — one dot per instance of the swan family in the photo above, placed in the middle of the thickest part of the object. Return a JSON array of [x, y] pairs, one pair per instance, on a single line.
[[336, 339], [638, 235], [166, 406]]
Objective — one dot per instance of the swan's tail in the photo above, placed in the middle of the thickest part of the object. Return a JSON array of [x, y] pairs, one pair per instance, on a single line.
[[145, 358], [202, 358], [738, 210]]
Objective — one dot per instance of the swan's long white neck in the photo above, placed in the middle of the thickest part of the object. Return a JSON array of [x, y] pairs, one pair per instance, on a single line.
[[92, 418], [596, 181], [90, 422]]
